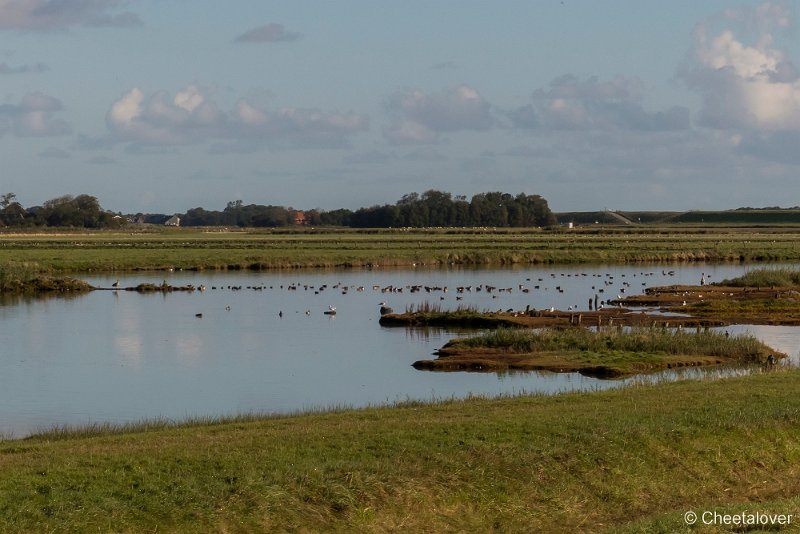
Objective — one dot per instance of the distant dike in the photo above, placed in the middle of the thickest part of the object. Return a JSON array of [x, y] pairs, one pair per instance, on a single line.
[[741, 216]]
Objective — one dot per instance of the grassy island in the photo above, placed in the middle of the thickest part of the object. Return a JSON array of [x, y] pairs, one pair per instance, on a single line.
[[24, 280], [762, 296], [607, 353]]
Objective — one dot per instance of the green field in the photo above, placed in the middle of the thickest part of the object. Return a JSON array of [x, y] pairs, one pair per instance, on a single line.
[[219, 249]]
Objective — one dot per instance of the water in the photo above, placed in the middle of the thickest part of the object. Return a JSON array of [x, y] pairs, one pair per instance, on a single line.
[[119, 356]]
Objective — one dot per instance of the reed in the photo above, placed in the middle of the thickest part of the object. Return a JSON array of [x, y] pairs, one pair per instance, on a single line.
[[428, 308], [14, 274], [765, 278]]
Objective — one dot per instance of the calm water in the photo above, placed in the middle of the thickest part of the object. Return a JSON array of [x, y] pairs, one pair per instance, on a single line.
[[121, 356]]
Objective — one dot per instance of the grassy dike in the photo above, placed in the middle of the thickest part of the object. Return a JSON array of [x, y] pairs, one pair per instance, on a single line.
[[627, 460]]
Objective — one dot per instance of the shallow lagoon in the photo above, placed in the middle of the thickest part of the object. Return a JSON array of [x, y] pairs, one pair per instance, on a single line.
[[120, 356]]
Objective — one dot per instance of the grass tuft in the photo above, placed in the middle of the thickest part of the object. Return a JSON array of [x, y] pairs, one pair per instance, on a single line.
[[744, 347], [765, 278]]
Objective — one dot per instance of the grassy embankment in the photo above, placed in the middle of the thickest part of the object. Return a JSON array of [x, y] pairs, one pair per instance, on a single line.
[[71, 252], [608, 353], [628, 460]]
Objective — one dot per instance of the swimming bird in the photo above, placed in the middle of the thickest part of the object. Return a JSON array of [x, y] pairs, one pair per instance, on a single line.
[[115, 284]]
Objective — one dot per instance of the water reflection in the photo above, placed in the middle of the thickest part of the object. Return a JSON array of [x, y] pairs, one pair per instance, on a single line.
[[263, 343]]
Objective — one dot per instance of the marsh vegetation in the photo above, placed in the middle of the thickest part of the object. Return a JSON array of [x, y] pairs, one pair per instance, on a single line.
[[608, 352]]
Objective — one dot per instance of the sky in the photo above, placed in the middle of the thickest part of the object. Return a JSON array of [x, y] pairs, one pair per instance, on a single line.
[[160, 106]]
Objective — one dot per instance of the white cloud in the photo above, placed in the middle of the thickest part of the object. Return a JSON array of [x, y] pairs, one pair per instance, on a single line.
[[33, 117], [190, 117], [189, 98], [745, 80], [570, 103], [270, 33], [52, 14], [420, 117]]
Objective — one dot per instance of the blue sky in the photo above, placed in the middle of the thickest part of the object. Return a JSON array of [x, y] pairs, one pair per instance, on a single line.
[[162, 106]]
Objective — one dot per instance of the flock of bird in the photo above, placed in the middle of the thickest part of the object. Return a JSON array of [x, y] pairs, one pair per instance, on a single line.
[[594, 291]]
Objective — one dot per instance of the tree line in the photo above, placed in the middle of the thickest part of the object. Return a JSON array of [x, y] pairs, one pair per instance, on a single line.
[[429, 209], [82, 211]]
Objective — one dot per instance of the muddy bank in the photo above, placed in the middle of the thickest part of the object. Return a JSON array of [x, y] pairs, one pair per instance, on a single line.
[[668, 306], [726, 304], [617, 316], [153, 288], [46, 285]]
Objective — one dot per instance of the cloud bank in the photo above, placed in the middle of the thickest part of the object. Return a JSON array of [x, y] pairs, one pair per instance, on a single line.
[[746, 81], [190, 117], [570, 103], [420, 118]]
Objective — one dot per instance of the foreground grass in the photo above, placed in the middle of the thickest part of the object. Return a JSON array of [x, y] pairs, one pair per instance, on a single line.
[[633, 459]]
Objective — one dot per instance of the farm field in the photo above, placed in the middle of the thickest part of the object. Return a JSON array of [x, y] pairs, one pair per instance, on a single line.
[[218, 249]]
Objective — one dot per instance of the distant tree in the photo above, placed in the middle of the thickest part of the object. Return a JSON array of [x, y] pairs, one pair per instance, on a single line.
[[82, 211], [340, 217], [7, 199], [14, 214]]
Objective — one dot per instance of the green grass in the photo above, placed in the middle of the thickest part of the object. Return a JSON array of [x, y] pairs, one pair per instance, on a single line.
[[23, 278], [69, 252], [765, 278], [608, 353], [630, 460], [745, 347]]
